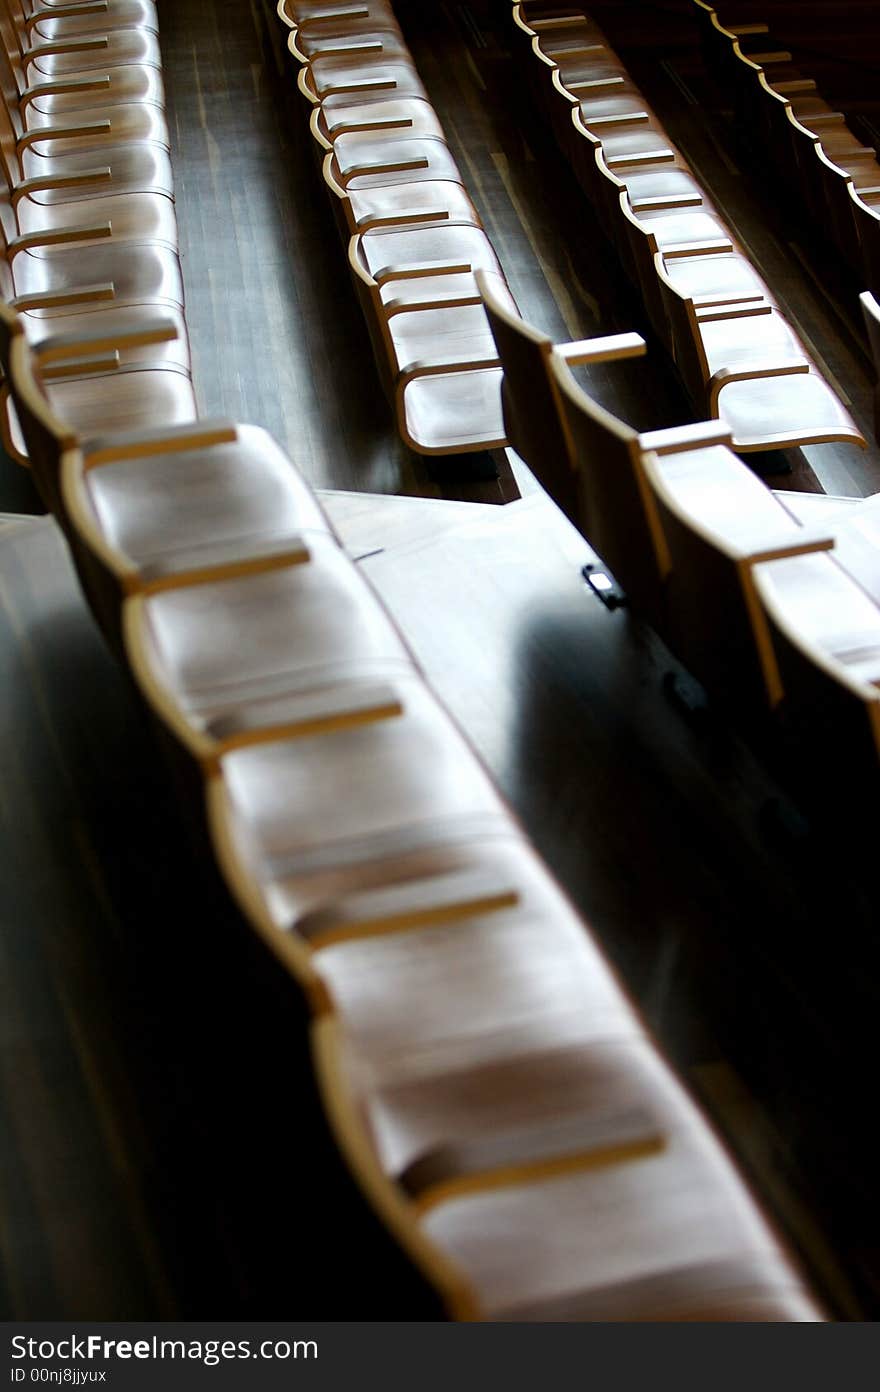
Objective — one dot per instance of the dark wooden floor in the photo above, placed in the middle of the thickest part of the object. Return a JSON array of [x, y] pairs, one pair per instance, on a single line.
[[154, 1153]]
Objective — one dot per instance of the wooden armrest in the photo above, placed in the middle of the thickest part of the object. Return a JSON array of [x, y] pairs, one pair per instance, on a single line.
[[427, 268], [779, 55], [91, 7], [595, 83], [609, 348], [560, 22], [764, 545], [678, 439], [382, 167], [68, 86], [43, 182], [708, 301], [174, 439], [80, 367], [364, 84], [462, 301], [711, 247], [47, 50], [725, 375], [630, 118], [641, 157], [797, 86], [56, 347], [399, 908], [318, 713], [58, 236], [381, 123], [749, 311], [370, 220], [356, 47], [742, 31], [334, 14], [440, 367], [657, 204], [75, 295], [530, 1154], [49, 133]]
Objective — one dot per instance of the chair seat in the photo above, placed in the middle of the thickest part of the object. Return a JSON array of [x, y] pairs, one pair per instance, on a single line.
[[365, 81], [139, 275], [661, 181], [131, 82], [825, 611], [314, 41], [158, 511], [439, 165], [409, 248], [472, 993], [725, 275], [666, 1235], [331, 802], [133, 217], [219, 647], [759, 338], [857, 546], [676, 228], [456, 412], [774, 412], [396, 203], [110, 318], [135, 167], [119, 14], [422, 118], [129, 121], [440, 334], [126, 47], [124, 401]]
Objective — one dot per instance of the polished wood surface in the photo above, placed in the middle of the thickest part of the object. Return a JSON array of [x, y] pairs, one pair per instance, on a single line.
[[652, 824], [720, 935]]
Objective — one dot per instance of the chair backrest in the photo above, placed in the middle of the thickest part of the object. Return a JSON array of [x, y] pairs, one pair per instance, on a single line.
[[684, 336], [638, 248], [867, 217], [46, 437], [826, 636], [839, 220], [615, 511], [533, 418], [718, 521]]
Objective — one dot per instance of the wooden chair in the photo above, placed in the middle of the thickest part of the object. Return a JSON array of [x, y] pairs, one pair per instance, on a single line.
[[385, 41], [719, 521], [341, 82], [151, 508], [743, 364], [80, 53], [63, 94], [534, 420], [866, 213], [74, 189], [545, 1152], [436, 353], [366, 126], [616, 509], [312, 868], [43, 22], [398, 205], [301, 648], [825, 632], [871, 312], [131, 121]]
